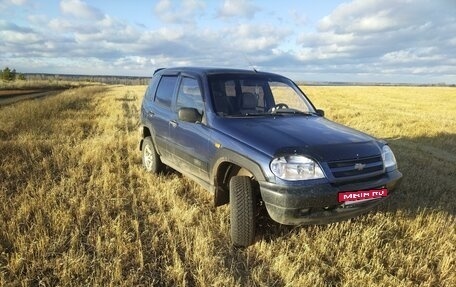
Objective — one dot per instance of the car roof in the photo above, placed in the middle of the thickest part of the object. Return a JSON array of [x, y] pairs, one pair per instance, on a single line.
[[212, 71]]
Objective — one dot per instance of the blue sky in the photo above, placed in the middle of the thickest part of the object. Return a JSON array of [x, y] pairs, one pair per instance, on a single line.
[[407, 41]]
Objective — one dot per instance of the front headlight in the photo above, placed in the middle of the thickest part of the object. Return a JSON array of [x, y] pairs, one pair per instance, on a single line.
[[389, 160], [296, 167]]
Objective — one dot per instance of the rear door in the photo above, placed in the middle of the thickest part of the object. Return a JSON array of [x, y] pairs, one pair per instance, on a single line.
[[159, 113]]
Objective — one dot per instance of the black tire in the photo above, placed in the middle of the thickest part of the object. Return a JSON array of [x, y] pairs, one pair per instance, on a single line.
[[150, 158], [242, 211]]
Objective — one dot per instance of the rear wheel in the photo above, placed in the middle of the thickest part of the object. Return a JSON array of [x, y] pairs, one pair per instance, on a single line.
[[242, 207], [150, 158]]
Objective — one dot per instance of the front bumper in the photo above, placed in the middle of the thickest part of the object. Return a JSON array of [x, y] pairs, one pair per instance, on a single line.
[[318, 204]]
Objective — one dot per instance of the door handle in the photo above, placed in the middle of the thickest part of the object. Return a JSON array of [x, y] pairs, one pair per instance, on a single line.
[[173, 123]]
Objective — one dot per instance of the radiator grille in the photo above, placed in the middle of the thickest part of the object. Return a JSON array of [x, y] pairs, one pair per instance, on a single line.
[[356, 167]]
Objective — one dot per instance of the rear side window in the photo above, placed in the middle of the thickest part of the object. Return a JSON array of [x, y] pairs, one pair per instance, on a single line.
[[151, 89], [165, 90]]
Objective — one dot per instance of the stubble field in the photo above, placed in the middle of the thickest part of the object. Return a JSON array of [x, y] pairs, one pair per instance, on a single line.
[[76, 208]]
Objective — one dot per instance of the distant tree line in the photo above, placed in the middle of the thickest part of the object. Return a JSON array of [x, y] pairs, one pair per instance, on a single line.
[[9, 75], [111, 80]]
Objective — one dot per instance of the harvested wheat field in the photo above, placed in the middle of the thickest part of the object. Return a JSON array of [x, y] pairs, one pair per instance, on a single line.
[[78, 210]]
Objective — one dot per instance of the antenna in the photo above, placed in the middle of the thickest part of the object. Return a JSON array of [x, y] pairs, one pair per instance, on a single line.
[[250, 63]]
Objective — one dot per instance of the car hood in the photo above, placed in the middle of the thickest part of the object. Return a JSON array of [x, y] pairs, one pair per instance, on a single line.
[[314, 136]]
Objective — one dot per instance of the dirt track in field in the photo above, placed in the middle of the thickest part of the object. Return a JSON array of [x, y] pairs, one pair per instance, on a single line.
[[12, 96]]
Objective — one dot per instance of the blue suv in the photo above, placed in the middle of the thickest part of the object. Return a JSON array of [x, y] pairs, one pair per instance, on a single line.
[[254, 139]]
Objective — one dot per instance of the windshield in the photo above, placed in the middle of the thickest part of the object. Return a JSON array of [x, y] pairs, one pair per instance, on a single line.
[[251, 95]]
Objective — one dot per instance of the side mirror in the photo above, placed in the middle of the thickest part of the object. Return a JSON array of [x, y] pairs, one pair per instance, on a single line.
[[321, 113], [190, 115]]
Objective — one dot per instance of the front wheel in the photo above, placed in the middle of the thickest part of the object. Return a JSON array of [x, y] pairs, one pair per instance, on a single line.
[[150, 158], [242, 215]]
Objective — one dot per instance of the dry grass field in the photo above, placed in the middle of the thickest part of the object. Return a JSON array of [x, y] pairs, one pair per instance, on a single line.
[[33, 85], [76, 208]]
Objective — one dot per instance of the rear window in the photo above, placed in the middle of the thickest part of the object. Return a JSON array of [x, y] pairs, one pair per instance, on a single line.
[[165, 90]]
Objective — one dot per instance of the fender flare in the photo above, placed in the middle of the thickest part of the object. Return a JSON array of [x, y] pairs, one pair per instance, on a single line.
[[221, 195]]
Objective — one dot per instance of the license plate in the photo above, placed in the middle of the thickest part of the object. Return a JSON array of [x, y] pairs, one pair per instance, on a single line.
[[350, 197]]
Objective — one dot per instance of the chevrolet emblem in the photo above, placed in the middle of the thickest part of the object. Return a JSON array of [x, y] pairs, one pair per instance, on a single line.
[[359, 166]]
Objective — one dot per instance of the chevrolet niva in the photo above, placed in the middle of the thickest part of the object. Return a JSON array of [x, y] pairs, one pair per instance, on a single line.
[[254, 139]]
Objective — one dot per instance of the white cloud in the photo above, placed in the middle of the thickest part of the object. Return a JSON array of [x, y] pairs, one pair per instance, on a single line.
[[357, 40], [80, 9], [250, 38], [12, 37], [6, 3], [238, 8], [135, 63], [19, 2], [382, 36], [374, 23], [183, 12], [106, 30], [412, 56], [163, 6], [346, 14]]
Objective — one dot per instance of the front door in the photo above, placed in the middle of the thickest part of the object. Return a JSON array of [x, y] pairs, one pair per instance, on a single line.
[[191, 141]]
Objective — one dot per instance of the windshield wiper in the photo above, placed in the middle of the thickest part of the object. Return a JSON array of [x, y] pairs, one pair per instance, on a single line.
[[245, 115], [280, 112], [293, 112]]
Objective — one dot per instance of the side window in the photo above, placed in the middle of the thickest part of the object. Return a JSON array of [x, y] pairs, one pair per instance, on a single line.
[[165, 90], [189, 95]]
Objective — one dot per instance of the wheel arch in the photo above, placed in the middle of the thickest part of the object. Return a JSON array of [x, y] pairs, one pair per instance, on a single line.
[[231, 164], [145, 132]]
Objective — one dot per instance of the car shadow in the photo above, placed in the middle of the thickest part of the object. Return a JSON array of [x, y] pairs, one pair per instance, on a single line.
[[428, 165]]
